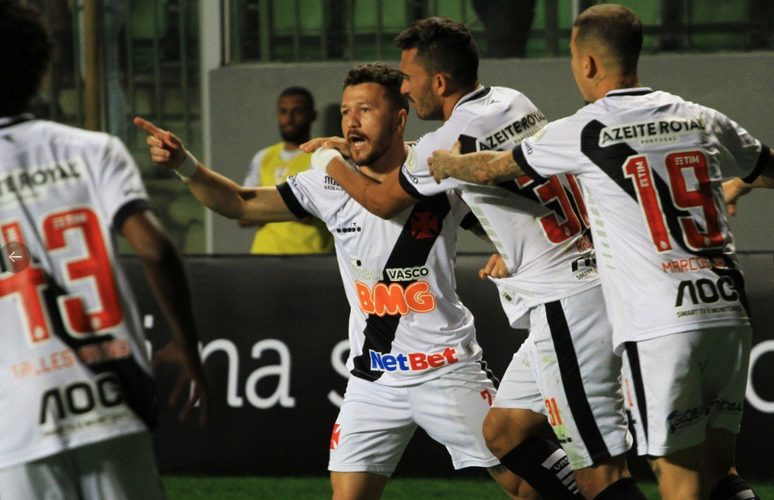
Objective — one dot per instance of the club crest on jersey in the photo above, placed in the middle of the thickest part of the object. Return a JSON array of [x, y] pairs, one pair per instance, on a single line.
[[424, 225], [650, 132], [413, 362]]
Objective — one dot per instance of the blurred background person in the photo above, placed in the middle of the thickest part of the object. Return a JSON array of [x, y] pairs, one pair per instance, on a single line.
[[272, 165]]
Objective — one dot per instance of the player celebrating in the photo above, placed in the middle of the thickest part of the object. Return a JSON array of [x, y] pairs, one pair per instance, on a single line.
[[413, 355], [76, 387], [651, 164], [566, 369]]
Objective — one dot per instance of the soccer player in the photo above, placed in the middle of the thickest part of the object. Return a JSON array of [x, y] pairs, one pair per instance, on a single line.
[[651, 165], [565, 372], [414, 358], [76, 387]]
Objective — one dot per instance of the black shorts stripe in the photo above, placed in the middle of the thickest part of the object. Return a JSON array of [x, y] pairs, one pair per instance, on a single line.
[[639, 387], [573, 383], [489, 374], [291, 201]]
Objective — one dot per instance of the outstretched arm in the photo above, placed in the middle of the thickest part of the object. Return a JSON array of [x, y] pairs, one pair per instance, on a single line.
[[216, 192], [485, 167], [736, 187]]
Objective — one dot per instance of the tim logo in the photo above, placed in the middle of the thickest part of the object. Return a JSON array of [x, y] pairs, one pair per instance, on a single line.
[[424, 225]]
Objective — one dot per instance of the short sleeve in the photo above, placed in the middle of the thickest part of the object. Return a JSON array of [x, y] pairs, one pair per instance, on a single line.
[[554, 150], [415, 176], [311, 193], [253, 177], [749, 155], [119, 185]]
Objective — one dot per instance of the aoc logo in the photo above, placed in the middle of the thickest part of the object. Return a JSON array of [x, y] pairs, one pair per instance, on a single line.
[[414, 361]]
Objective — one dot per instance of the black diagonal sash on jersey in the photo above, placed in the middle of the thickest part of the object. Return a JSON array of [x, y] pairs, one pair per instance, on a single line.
[[610, 160], [408, 251], [137, 387]]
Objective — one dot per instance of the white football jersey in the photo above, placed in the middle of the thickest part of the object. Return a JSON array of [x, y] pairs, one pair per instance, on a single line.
[[73, 366], [651, 165], [539, 228], [407, 324]]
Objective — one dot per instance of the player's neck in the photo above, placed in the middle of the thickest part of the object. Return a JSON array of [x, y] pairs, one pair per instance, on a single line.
[[609, 82], [292, 146], [392, 160], [451, 101]]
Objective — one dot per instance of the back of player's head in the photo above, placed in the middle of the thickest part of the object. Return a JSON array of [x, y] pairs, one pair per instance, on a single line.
[[299, 92], [386, 76], [25, 51], [613, 31], [443, 46]]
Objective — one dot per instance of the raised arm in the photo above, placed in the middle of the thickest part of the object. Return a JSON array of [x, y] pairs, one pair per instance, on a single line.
[[485, 167], [216, 192], [736, 187]]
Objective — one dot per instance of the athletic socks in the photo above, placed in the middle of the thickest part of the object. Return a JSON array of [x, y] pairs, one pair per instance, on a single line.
[[623, 489], [545, 467], [733, 487]]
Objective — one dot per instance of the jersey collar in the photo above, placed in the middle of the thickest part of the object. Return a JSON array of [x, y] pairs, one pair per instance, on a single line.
[[629, 92], [480, 92], [8, 121]]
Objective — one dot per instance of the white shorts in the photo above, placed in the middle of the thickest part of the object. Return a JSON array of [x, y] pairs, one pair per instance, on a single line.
[[678, 385], [376, 422], [567, 371], [122, 468]]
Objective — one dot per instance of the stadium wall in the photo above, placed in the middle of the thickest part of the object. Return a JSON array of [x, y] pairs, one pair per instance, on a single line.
[[274, 339], [242, 117]]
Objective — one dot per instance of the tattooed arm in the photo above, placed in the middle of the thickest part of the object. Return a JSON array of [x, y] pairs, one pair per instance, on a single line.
[[486, 167]]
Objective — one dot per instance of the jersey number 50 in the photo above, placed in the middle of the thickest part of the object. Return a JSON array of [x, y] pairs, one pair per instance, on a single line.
[[93, 270]]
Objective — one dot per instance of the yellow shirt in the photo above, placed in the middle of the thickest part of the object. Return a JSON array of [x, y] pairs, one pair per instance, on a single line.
[[269, 168]]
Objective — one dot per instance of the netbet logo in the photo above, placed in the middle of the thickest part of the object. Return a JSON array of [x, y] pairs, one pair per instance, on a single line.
[[414, 362]]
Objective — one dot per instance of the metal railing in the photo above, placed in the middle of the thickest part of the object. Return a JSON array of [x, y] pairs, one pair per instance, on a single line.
[[320, 30]]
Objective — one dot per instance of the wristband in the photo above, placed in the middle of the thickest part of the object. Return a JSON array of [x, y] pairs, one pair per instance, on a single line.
[[323, 156], [188, 167]]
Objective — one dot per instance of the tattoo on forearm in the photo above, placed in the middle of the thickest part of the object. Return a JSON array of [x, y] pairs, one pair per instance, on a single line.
[[487, 168]]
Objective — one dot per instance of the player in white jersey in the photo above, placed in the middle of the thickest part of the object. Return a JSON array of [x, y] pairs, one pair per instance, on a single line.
[[76, 386], [651, 165], [413, 357], [540, 229]]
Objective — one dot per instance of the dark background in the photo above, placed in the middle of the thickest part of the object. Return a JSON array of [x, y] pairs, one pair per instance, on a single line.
[[242, 300]]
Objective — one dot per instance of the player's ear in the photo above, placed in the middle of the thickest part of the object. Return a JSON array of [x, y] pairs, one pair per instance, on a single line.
[[590, 66], [402, 118], [440, 84]]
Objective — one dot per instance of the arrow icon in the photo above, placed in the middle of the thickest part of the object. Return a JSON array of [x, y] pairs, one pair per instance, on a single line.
[[14, 257]]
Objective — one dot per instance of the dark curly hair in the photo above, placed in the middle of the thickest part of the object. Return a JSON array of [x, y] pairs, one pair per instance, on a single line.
[[25, 51], [443, 46], [386, 76]]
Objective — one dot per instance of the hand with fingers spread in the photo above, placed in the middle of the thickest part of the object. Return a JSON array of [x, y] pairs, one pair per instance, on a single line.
[[441, 162], [186, 357], [495, 268], [167, 151]]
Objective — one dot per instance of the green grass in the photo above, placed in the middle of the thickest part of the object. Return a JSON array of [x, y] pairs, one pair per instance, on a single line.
[[266, 488]]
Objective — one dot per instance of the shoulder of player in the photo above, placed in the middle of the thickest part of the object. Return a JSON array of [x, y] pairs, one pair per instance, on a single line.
[[321, 183], [257, 157]]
